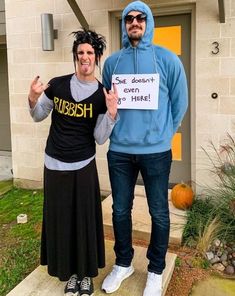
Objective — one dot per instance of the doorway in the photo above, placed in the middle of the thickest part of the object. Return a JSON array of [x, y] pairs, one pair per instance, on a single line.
[[5, 133], [174, 33]]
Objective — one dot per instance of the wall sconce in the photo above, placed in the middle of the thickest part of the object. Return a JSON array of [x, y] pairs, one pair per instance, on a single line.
[[48, 32]]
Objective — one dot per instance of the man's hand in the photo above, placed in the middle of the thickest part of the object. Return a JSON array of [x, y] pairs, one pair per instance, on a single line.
[[36, 89], [111, 98]]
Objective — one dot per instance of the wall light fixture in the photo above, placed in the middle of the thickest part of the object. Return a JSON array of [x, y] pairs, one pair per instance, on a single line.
[[48, 32]]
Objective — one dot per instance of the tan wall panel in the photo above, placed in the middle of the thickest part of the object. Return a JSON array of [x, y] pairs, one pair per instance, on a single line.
[[21, 71], [20, 54], [233, 47], [21, 25], [97, 5], [227, 30], [18, 41], [23, 129], [50, 56], [22, 9], [228, 67], [208, 29], [211, 65], [28, 184], [208, 85], [104, 182], [212, 122], [30, 173], [99, 18], [205, 47], [232, 8], [232, 86], [19, 100], [63, 7], [204, 140], [227, 105], [205, 104]]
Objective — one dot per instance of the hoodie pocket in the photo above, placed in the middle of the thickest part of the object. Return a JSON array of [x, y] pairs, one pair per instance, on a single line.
[[133, 127], [161, 128]]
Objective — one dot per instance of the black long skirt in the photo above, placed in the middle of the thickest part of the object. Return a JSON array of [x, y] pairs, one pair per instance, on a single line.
[[72, 230]]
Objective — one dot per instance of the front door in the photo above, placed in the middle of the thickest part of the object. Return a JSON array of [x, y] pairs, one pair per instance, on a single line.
[[174, 32]]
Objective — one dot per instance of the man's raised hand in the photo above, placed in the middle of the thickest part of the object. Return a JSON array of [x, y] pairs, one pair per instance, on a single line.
[[35, 91], [111, 98]]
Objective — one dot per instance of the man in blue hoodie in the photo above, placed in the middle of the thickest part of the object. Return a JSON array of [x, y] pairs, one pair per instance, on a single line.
[[141, 142]]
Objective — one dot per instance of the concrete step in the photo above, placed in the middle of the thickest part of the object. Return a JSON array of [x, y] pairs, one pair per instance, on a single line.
[[39, 283], [141, 221]]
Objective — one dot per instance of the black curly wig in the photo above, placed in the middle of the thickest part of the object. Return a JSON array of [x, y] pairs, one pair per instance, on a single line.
[[97, 41]]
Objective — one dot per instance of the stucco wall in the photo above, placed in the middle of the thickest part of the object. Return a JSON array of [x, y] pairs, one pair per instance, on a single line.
[[211, 119]]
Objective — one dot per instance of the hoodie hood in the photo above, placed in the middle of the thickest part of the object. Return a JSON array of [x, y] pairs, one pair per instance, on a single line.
[[146, 40]]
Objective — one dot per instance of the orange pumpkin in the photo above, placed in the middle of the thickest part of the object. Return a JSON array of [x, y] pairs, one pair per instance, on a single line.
[[182, 196]]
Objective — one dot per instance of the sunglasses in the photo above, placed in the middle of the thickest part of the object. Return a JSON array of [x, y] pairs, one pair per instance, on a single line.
[[140, 18]]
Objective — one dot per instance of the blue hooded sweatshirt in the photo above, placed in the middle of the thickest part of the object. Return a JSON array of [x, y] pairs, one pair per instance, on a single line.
[[147, 131]]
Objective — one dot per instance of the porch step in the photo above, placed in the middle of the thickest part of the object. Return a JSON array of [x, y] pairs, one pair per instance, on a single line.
[[39, 283], [141, 221]]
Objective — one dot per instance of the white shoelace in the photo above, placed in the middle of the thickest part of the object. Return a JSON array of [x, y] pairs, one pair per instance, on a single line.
[[85, 283], [72, 282]]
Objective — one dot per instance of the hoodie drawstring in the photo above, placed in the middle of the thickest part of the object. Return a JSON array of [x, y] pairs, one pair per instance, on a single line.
[[117, 62], [135, 61], [136, 68], [154, 59]]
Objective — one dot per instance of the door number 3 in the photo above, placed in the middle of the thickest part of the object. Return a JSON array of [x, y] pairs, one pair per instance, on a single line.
[[216, 47]]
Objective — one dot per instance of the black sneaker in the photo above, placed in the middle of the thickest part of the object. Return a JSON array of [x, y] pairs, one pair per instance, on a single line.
[[72, 286], [86, 287]]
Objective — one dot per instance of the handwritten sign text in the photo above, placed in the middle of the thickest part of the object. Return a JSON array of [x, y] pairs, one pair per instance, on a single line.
[[137, 91]]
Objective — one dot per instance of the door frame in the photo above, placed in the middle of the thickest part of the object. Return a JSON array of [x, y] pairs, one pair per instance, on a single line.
[[161, 10]]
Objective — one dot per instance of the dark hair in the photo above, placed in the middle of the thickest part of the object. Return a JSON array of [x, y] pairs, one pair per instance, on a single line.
[[97, 41]]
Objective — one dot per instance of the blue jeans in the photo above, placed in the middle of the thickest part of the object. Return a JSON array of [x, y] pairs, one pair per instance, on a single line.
[[123, 172]]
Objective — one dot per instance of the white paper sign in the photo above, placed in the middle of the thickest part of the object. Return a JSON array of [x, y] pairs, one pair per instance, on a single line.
[[137, 91]]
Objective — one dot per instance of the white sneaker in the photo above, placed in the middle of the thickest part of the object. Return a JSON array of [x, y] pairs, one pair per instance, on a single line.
[[113, 280], [153, 285]]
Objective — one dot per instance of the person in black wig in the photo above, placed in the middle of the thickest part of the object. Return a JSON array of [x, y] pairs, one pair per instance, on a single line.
[[82, 113]]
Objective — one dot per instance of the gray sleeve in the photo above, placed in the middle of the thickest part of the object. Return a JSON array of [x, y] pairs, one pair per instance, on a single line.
[[42, 109], [104, 127]]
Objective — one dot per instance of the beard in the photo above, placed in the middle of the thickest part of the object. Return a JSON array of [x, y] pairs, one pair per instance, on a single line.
[[135, 36]]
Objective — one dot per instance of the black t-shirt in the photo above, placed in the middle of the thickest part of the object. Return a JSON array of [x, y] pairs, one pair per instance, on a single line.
[[71, 136]]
